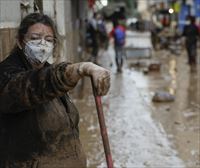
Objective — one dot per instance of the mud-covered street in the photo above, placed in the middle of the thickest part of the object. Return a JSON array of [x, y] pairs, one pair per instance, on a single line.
[[50, 49], [143, 133]]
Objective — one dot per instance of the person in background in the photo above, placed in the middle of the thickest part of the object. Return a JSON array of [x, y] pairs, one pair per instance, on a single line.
[[191, 33], [102, 32], [38, 121], [92, 37], [118, 33]]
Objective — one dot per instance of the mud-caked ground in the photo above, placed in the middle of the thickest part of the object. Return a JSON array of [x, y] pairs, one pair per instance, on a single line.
[[143, 133]]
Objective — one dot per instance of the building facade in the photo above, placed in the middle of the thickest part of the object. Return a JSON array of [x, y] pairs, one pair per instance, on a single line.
[[68, 15]]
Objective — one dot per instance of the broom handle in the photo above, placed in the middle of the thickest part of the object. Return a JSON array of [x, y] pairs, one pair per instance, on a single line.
[[103, 129]]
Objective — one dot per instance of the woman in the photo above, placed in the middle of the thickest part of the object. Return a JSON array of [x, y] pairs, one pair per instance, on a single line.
[[38, 122]]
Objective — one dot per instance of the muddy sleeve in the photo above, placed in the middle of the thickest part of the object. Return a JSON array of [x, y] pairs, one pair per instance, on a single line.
[[27, 89]]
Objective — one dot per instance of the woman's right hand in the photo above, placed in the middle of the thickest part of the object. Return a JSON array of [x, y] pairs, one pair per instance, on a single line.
[[100, 76]]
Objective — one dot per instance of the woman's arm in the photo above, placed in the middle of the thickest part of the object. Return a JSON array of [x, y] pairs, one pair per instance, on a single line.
[[25, 90]]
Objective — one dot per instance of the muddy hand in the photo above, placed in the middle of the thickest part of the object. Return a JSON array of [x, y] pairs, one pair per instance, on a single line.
[[101, 80], [100, 76]]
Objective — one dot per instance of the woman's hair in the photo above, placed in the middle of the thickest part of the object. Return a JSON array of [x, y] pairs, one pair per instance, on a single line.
[[32, 19]]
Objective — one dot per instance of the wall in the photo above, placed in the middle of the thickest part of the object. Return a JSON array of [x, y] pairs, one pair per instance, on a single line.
[[9, 21], [7, 41], [9, 13], [67, 14], [61, 12], [10, 18]]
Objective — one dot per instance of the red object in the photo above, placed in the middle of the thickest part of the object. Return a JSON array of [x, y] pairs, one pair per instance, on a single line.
[[102, 127], [91, 3], [111, 34]]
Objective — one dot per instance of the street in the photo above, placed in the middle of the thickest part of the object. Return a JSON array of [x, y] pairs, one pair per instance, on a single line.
[[143, 133], [152, 110]]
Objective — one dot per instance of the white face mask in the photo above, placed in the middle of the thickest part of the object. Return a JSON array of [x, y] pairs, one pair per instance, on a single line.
[[38, 50]]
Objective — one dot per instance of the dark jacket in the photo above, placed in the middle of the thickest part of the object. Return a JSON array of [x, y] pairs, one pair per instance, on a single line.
[[37, 119], [191, 33]]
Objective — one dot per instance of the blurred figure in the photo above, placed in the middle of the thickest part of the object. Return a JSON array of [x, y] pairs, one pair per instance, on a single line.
[[154, 34], [165, 21], [91, 37], [102, 33], [191, 34], [118, 33]]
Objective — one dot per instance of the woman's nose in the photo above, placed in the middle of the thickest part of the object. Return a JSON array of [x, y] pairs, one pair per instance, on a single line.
[[43, 41]]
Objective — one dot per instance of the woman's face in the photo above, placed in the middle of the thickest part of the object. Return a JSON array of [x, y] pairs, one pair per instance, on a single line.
[[39, 44], [40, 31]]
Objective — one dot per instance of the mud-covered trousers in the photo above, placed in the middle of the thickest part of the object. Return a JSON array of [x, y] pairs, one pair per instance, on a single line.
[[61, 159], [48, 163]]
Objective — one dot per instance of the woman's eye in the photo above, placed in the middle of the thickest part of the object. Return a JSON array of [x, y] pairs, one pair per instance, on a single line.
[[35, 38], [50, 39]]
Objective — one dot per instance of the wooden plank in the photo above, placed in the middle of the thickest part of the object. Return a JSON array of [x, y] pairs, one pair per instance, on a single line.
[[12, 38], [7, 41]]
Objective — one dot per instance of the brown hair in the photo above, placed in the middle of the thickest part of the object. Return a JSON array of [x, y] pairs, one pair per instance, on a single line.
[[34, 18]]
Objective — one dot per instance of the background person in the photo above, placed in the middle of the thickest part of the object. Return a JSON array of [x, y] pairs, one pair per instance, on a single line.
[[102, 32], [92, 37], [118, 33], [191, 34], [38, 121]]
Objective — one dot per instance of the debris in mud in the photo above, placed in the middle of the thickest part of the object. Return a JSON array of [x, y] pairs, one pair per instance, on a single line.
[[138, 64], [146, 163], [194, 128], [188, 141], [194, 152], [145, 71], [146, 65], [195, 105], [170, 136], [154, 66], [177, 123], [162, 96], [168, 109], [189, 114]]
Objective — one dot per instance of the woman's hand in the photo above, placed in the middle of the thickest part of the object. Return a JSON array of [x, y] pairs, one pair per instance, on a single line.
[[100, 76]]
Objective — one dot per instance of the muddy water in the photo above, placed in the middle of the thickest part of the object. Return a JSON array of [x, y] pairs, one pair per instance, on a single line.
[[180, 119], [142, 133]]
